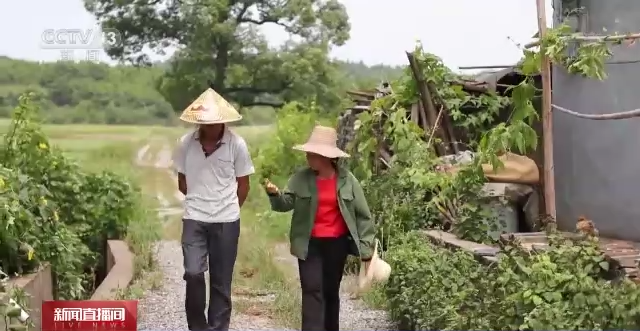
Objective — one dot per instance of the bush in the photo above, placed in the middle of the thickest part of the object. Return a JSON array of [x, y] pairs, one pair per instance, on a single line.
[[27, 218], [57, 212], [277, 159], [568, 287]]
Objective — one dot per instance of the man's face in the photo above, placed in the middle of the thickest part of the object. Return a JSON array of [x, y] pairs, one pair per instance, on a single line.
[[211, 130]]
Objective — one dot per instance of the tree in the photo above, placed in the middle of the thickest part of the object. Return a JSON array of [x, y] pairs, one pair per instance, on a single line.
[[220, 41]]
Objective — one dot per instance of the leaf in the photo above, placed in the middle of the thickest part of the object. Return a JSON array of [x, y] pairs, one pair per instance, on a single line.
[[604, 265], [536, 300], [13, 312]]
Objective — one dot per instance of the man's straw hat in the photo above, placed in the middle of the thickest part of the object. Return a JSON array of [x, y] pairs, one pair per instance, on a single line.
[[210, 108], [322, 141], [377, 272]]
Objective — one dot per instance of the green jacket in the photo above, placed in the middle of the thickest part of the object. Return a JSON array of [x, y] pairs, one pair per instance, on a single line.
[[301, 196]]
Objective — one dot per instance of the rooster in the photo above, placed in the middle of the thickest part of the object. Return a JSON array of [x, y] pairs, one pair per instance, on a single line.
[[586, 227]]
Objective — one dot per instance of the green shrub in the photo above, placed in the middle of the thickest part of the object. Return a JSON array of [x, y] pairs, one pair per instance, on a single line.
[[563, 288], [277, 159], [430, 286], [27, 219], [58, 212]]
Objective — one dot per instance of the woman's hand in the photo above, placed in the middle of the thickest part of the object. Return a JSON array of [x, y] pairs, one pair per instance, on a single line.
[[270, 187], [366, 263]]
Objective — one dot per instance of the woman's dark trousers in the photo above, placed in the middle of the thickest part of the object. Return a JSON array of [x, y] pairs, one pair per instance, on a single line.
[[320, 277], [219, 243]]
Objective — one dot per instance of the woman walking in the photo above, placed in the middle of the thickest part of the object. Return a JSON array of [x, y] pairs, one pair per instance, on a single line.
[[331, 219]]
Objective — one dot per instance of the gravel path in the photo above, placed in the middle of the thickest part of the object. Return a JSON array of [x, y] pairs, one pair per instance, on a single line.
[[354, 314], [163, 309]]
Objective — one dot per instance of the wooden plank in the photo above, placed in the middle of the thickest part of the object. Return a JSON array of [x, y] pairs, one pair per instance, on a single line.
[[454, 242], [626, 253]]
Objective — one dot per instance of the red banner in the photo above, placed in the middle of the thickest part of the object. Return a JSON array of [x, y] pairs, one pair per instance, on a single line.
[[89, 316]]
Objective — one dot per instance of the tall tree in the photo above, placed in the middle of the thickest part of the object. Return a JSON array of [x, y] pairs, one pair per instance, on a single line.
[[220, 41]]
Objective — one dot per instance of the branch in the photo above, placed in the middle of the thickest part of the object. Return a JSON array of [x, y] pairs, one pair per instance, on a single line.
[[244, 9], [246, 89], [583, 38], [259, 22], [256, 90], [435, 126], [262, 21], [513, 66], [274, 104], [613, 116]]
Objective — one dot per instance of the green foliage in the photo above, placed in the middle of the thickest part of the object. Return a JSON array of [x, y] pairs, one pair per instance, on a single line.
[[561, 288], [277, 159], [428, 196], [54, 211], [568, 286], [587, 59], [220, 41], [85, 92], [425, 196], [359, 76], [89, 92]]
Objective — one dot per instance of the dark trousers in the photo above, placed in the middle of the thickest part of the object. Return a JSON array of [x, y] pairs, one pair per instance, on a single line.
[[320, 277], [218, 242]]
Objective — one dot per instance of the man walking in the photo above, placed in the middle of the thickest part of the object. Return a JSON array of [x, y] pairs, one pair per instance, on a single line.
[[213, 166]]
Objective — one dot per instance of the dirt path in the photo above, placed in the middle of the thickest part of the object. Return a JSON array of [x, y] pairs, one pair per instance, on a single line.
[[164, 309]]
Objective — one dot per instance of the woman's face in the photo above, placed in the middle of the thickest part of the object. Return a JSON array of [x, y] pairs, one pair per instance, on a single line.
[[317, 162]]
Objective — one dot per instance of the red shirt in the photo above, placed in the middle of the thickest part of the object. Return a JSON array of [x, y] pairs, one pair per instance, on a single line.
[[329, 222]]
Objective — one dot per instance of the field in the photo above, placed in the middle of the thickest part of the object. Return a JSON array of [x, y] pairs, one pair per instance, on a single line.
[[143, 153]]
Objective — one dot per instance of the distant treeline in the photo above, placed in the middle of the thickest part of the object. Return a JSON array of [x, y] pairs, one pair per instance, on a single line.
[[89, 92]]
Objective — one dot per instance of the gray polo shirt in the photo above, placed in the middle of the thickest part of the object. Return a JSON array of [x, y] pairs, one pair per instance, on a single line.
[[212, 189]]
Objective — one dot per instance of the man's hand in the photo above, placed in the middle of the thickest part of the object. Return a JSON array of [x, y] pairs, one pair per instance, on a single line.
[[243, 189], [182, 183], [270, 187]]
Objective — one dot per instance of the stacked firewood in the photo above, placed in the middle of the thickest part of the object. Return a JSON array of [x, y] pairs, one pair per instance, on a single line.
[[431, 113], [347, 119]]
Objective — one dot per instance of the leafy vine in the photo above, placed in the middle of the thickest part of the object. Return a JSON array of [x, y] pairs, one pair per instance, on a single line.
[[569, 284], [453, 201]]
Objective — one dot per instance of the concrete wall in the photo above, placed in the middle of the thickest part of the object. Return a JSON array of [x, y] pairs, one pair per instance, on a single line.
[[39, 286], [597, 162], [120, 271]]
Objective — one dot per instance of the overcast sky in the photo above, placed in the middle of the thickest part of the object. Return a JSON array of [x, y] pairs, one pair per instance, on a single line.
[[461, 32]]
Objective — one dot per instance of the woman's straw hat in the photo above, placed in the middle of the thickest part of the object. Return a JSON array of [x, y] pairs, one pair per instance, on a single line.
[[377, 272], [322, 141], [210, 108]]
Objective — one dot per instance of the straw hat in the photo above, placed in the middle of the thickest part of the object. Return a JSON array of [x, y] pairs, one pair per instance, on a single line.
[[377, 272], [322, 141], [210, 108]]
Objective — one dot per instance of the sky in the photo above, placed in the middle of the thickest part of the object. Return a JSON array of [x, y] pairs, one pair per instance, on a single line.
[[461, 32]]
